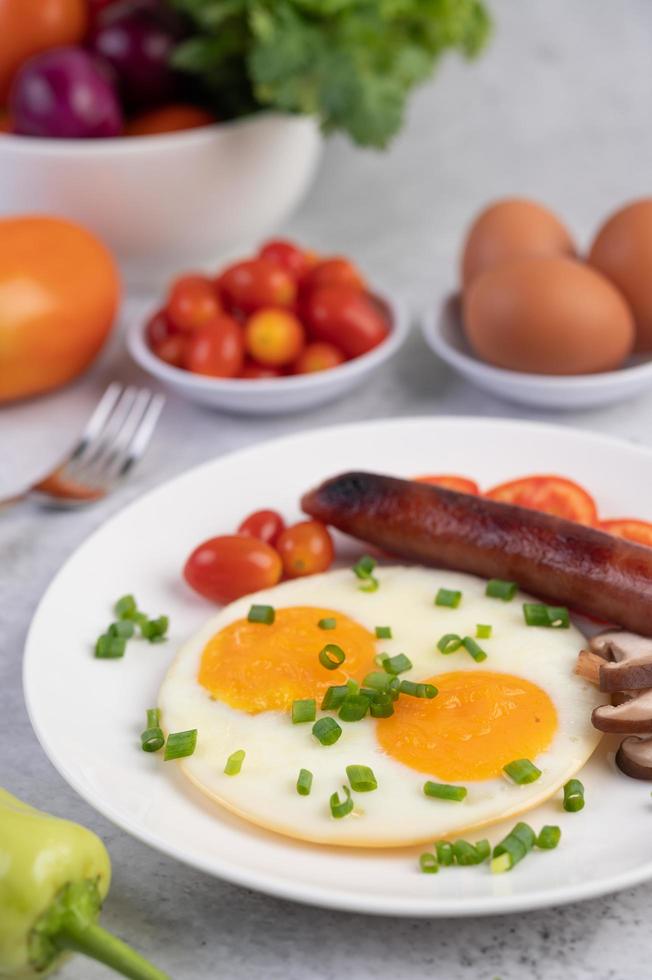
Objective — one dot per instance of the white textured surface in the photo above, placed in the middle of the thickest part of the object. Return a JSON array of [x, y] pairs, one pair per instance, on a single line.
[[558, 109]]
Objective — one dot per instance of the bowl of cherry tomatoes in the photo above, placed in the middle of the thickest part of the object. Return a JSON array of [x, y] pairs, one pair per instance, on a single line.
[[279, 331]]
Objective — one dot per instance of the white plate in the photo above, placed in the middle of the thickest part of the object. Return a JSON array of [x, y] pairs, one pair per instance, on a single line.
[[442, 331], [88, 713]]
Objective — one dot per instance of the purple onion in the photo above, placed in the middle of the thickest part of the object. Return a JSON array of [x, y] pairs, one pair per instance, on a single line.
[[64, 93]]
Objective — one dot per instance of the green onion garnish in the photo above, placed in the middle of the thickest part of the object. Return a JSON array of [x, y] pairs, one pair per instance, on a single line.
[[466, 854], [326, 624], [370, 584], [361, 778], [448, 597], [124, 628], [234, 762], [382, 705], [352, 686], [364, 567], [538, 614], [378, 680], [326, 731], [483, 631], [180, 744], [573, 796], [126, 607], [110, 647], [152, 739], [513, 848], [548, 838], [418, 690], [428, 864], [444, 851], [304, 710], [449, 643], [262, 614], [354, 707], [340, 809], [334, 697], [442, 791], [332, 656], [383, 632], [522, 771], [474, 649], [483, 849], [497, 589], [398, 664], [154, 630], [304, 782]]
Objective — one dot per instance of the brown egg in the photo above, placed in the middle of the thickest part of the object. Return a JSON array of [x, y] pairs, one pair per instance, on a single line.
[[512, 229], [548, 316], [622, 250]]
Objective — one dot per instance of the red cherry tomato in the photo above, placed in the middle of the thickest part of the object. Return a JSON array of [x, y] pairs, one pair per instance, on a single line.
[[247, 286], [629, 528], [165, 340], [263, 524], [254, 371], [344, 316], [289, 256], [460, 483], [336, 271], [318, 356], [274, 337], [551, 494], [217, 350], [305, 548], [192, 303], [224, 568]]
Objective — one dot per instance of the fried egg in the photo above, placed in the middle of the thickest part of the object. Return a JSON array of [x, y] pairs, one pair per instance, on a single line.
[[235, 682]]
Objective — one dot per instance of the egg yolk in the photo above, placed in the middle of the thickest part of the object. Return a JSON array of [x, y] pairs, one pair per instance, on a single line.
[[478, 723], [255, 667]]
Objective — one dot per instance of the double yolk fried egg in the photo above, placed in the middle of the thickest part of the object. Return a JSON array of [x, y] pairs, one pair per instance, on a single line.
[[235, 682]]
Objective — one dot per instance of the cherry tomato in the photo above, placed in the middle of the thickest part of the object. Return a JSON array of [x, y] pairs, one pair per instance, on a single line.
[[224, 568], [305, 548], [247, 286], [551, 494], [289, 256], [318, 356], [336, 271], [254, 371], [169, 119], [192, 303], [344, 316], [28, 27], [263, 524], [629, 528], [460, 483], [217, 350], [274, 337]]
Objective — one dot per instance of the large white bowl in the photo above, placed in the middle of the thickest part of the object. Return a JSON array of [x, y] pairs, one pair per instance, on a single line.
[[269, 396], [156, 200], [442, 330]]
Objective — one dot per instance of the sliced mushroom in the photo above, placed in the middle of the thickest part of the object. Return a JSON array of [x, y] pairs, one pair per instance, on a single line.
[[588, 666], [634, 757], [620, 645], [627, 663], [629, 718]]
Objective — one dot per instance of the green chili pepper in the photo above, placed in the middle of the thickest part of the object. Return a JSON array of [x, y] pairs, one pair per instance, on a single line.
[[54, 876]]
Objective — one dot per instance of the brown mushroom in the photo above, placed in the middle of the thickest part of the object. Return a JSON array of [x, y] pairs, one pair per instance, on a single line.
[[588, 666], [627, 660], [633, 716], [634, 757]]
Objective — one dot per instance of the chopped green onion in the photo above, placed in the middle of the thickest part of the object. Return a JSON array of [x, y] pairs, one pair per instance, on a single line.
[[497, 589], [370, 584], [522, 771], [418, 690], [234, 762], [448, 597], [332, 656], [383, 632], [442, 791], [466, 854], [334, 697], [110, 647], [180, 744], [428, 864], [449, 643], [538, 614], [398, 664], [304, 782], [126, 608], [361, 778], [354, 707], [513, 848], [573, 796], [124, 628], [340, 809], [378, 680], [382, 706], [152, 739], [364, 567], [483, 631], [380, 659], [444, 851], [262, 614], [474, 649], [483, 849], [327, 624], [548, 838], [304, 710], [326, 731], [352, 686], [154, 630]]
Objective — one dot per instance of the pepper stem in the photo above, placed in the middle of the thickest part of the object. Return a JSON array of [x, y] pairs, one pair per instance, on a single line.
[[99, 944]]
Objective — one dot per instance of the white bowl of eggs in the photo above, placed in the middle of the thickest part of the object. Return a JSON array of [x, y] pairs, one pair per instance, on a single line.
[[535, 324]]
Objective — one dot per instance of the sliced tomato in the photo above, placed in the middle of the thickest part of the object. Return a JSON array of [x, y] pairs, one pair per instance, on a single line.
[[460, 483], [551, 494], [630, 528]]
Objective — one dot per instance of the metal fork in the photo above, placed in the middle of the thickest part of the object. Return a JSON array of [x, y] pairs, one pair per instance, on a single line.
[[116, 436]]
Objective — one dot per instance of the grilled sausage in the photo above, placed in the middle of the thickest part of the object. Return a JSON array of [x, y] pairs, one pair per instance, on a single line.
[[558, 560]]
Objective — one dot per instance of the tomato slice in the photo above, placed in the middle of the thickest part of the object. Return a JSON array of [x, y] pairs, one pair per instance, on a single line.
[[630, 528], [460, 483], [551, 494]]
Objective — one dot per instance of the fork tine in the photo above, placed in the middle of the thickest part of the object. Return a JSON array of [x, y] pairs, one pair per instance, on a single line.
[[105, 435], [141, 436], [98, 419], [108, 464]]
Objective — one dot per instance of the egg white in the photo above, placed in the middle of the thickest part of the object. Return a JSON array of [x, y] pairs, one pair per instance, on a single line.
[[397, 813]]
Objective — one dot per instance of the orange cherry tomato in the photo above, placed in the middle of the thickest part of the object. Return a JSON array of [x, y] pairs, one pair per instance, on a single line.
[[263, 524], [289, 256], [318, 356], [217, 350], [253, 371], [629, 528], [305, 549], [192, 303], [336, 271], [28, 27], [274, 337], [250, 285], [551, 494], [460, 483], [169, 119], [344, 316], [227, 567]]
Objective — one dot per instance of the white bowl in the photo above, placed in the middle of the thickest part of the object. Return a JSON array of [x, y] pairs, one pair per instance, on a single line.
[[443, 333], [270, 396], [159, 200]]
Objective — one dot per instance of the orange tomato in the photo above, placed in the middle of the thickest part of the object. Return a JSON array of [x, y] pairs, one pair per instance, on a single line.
[[59, 291], [169, 119], [305, 549], [274, 337], [318, 356], [224, 568], [629, 528], [30, 26], [460, 483], [551, 494]]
